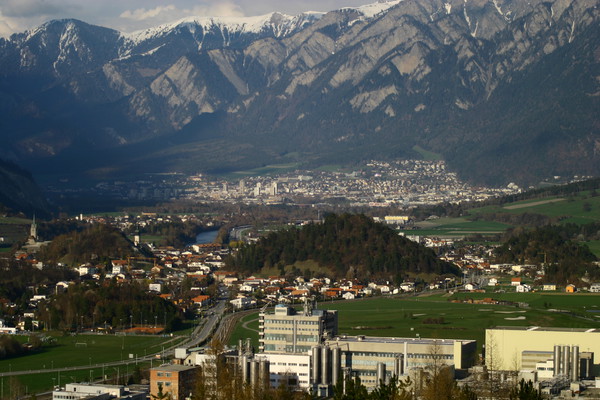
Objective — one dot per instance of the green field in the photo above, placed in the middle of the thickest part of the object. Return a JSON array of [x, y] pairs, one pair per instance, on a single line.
[[579, 209], [266, 170], [411, 316], [81, 350], [14, 221], [246, 328], [457, 227], [427, 155]]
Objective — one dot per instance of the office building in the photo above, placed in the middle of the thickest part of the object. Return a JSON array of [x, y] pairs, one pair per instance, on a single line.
[[549, 351], [286, 331]]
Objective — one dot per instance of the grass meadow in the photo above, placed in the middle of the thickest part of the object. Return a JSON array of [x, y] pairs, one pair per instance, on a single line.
[[436, 316], [79, 350]]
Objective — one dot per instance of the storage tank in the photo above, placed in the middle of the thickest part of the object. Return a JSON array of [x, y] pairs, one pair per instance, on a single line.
[[264, 372], [557, 360], [325, 361], [575, 364], [336, 364], [245, 367], [566, 361], [316, 365], [253, 372], [398, 365], [380, 373]]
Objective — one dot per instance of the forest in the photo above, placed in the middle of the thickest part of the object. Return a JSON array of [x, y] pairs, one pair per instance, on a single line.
[[88, 304], [556, 247], [347, 245], [97, 243]]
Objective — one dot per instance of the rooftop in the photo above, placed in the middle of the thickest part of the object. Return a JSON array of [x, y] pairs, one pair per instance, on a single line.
[[372, 339], [545, 329], [174, 368]]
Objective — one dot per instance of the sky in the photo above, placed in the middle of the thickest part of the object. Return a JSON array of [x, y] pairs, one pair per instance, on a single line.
[[132, 15]]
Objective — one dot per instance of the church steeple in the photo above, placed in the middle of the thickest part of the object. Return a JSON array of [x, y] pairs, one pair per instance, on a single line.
[[33, 230]]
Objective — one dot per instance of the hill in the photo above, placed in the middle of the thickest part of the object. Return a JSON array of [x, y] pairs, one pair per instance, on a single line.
[[96, 244], [19, 193], [497, 87], [558, 248], [347, 246]]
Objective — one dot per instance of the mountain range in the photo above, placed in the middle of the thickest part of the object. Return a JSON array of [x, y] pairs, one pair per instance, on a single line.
[[503, 90]]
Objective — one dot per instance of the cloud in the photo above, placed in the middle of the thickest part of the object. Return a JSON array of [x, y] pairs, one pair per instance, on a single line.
[[29, 8], [141, 14], [219, 9]]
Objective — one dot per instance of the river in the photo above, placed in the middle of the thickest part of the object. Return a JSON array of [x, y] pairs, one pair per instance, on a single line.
[[206, 237]]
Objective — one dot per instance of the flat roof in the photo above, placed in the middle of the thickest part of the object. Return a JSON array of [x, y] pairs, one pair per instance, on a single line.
[[545, 329], [174, 367], [375, 339]]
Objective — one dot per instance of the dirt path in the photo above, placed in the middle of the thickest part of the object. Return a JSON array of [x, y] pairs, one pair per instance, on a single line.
[[536, 203]]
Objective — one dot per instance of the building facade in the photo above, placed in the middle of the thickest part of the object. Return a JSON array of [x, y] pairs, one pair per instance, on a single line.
[[176, 380], [571, 350], [286, 331]]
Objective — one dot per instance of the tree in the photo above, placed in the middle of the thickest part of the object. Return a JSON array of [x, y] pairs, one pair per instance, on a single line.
[[161, 395], [524, 391]]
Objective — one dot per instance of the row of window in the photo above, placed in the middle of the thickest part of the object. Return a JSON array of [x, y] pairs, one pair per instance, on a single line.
[[290, 321]]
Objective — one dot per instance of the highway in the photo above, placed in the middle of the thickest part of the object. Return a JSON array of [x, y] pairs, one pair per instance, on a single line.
[[201, 334]]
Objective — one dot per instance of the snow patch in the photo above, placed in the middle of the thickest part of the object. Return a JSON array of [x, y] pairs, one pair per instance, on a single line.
[[280, 23], [505, 15], [371, 10], [448, 8]]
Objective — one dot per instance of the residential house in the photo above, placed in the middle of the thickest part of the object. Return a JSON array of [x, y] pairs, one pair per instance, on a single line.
[[201, 300], [570, 288], [549, 286], [595, 288], [523, 288], [174, 380], [515, 281]]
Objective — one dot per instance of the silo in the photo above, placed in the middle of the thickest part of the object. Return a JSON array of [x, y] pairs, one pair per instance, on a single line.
[[397, 363], [316, 365], [566, 361], [336, 361], [253, 372], [380, 373], [557, 360], [575, 364], [245, 367], [325, 365], [264, 372]]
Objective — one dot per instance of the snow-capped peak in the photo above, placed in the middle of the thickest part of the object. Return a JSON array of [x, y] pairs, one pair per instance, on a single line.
[[281, 24], [371, 10]]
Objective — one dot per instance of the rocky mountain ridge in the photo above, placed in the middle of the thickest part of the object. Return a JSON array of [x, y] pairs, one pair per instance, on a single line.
[[485, 83]]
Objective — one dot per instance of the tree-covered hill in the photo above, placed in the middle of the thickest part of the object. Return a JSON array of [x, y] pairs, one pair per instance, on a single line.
[[349, 245], [557, 246], [97, 243], [89, 304]]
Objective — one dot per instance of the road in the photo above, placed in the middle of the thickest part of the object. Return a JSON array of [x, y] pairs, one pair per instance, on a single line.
[[200, 334]]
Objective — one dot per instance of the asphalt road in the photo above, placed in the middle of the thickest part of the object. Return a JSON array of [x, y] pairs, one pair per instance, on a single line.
[[200, 334]]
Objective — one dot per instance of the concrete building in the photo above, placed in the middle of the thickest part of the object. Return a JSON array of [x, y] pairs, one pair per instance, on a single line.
[[177, 380], [286, 331], [376, 358], [571, 350], [76, 391]]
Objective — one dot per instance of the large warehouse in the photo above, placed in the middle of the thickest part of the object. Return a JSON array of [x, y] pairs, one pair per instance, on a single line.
[[572, 350]]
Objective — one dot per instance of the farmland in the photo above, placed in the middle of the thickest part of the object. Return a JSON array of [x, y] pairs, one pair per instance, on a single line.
[[81, 350], [437, 316]]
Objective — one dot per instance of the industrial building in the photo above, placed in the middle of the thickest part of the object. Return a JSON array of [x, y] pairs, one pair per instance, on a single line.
[[302, 351], [175, 380], [286, 331], [88, 391], [548, 352]]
